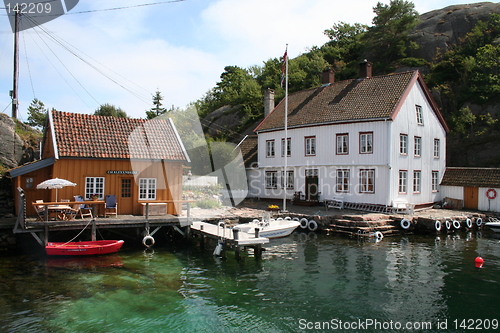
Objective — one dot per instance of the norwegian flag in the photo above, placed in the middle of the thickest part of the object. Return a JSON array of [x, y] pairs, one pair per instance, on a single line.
[[283, 67]]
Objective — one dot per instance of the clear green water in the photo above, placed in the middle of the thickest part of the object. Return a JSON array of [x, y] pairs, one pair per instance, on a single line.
[[302, 281]]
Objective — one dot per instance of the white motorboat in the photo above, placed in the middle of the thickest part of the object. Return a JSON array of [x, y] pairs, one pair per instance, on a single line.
[[270, 228], [493, 224]]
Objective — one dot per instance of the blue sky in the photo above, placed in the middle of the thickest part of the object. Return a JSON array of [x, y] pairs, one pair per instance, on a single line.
[[179, 48]]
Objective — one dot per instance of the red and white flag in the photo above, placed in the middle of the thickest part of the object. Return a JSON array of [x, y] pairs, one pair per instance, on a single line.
[[283, 67]]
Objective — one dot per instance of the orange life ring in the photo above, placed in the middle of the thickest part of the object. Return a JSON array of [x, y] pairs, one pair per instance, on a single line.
[[491, 194]]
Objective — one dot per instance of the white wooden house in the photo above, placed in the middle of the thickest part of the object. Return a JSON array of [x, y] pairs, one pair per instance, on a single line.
[[377, 139]]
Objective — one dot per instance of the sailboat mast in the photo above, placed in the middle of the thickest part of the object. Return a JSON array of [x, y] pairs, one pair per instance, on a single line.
[[13, 94]]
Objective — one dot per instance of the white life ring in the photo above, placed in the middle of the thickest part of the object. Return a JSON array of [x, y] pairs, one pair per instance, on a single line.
[[479, 221], [447, 224], [468, 223], [146, 239], [456, 224], [303, 223], [279, 219], [378, 235], [437, 225], [312, 225], [288, 218], [405, 224], [296, 219]]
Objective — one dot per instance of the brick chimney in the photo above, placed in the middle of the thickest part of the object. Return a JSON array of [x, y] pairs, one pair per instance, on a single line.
[[365, 69], [328, 76], [268, 101]]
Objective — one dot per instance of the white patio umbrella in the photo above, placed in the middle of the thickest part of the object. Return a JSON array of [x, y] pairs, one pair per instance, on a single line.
[[55, 183]]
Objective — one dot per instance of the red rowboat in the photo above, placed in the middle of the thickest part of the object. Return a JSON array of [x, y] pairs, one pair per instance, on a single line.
[[83, 248]]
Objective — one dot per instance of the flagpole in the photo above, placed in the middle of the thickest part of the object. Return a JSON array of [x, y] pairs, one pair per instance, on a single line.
[[285, 180]]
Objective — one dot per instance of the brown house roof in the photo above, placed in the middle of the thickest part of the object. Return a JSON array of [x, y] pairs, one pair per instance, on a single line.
[[87, 136], [373, 98], [248, 148], [472, 177]]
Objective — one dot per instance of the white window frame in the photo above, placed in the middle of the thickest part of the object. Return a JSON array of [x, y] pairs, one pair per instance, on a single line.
[[290, 181], [270, 148], [271, 179], [366, 143], [343, 144], [343, 179], [417, 149], [419, 114], [310, 145], [403, 144], [437, 145], [435, 181], [94, 185], [403, 181], [147, 188], [289, 147], [417, 181], [367, 181]]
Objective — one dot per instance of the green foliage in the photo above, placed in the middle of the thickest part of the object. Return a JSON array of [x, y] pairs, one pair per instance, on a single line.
[[110, 111], [207, 203], [157, 110], [37, 114], [387, 39], [27, 134]]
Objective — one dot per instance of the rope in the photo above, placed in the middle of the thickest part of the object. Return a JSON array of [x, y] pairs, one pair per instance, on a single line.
[[77, 235]]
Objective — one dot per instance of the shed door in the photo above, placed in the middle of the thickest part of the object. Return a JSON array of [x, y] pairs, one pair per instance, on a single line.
[[312, 188], [125, 204], [471, 197]]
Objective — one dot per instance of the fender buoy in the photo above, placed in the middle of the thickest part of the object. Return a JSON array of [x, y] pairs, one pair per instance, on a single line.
[[456, 224], [303, 223], [468, 223], [447, 224], [437, 225], [296, 219], [378, 235], [312, 225], [405, 224], [479, 221], [148, 241], [491, 194], [288, 218], [279, 219], [255, 221], [479, 262]]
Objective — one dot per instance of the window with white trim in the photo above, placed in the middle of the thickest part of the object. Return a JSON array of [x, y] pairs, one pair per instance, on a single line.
[[420, 115], [436, 148], [367, 181], [147, 189], [310, 142], [417, 149], [94, 185], [270, 148], [366, 143], [343, 176], [289, 180], [342, 144], [435, 181], [288, 147], [403, 181], [271, 179], [417, 181], [403, 144]]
